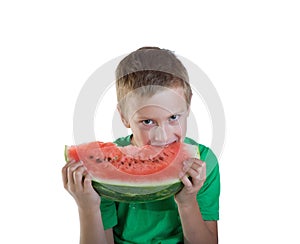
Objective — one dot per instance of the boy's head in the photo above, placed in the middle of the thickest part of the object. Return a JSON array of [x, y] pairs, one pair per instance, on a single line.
[[148, 73], [150, 67]]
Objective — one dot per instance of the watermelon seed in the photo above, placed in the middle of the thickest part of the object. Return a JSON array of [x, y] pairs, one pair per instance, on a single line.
[[161, 158], [91, 157], [109, 159], [98, 160]]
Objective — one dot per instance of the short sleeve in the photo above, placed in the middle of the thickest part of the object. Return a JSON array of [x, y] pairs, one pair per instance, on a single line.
[[108, 213], [208, 196]]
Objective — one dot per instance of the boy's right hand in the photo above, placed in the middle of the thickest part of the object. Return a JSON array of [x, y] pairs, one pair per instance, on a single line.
[[77, 181]]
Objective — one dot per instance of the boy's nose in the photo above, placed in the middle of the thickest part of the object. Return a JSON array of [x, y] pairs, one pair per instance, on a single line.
[[159, 135]]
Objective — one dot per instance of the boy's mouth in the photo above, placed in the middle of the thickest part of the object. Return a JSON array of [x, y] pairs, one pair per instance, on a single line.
[[163, 144]]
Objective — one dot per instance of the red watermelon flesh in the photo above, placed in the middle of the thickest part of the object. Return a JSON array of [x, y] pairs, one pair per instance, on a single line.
[[132, 172]]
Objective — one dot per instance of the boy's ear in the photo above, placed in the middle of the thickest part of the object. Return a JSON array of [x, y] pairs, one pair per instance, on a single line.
[[123, 118]]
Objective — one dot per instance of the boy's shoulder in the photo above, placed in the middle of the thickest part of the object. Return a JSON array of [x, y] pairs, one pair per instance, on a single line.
[[123, 141], [202, 148]]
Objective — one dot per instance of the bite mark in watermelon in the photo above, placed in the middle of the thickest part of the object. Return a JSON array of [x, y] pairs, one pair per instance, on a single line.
[[130, 173]]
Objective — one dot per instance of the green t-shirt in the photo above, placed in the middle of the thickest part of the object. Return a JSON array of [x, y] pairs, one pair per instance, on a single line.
[[159, 222]]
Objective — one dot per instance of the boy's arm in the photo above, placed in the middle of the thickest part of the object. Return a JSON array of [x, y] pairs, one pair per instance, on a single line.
[[109, 236], [91, 227], [78, 183], [195, 229]]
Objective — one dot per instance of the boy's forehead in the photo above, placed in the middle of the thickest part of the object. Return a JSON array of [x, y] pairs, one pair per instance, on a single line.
[[170, 100]]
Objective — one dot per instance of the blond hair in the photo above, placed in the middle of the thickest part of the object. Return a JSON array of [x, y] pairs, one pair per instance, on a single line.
[[149, 68]]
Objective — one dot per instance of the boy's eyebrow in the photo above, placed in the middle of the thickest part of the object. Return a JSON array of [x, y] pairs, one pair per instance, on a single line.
[[144, 117]]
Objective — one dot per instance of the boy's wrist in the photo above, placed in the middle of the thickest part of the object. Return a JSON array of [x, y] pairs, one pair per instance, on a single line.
[[89, 210], [188, 204]]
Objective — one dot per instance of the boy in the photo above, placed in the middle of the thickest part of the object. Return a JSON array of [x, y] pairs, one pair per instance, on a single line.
[[154, 99]]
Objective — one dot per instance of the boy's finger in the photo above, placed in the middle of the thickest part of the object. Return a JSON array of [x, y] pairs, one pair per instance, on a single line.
[[194, 173], [194, 161], [187, 165], [87, 182], [64, 175], [78, 176], [198, 175], [70, 171], [185, 180], [64, 172]]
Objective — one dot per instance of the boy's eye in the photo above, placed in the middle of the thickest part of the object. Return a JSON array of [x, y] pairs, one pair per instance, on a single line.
[[148, 122], [174, 117]]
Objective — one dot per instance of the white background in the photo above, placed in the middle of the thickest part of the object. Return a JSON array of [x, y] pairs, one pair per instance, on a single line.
[[250, 51]]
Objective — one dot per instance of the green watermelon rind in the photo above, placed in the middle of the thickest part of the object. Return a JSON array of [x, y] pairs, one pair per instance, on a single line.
[[131, 194], [66, 155]]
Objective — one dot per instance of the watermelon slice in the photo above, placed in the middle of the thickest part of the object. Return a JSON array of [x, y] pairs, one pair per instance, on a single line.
[[133, 174]]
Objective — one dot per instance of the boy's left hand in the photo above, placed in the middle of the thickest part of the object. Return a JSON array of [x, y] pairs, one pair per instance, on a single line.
[[194, 169]]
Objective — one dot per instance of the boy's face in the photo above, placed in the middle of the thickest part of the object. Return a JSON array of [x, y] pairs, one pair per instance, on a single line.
[[157, 120]]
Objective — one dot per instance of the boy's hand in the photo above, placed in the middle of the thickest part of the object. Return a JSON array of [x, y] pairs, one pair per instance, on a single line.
[[77, 182], [192, 176]]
